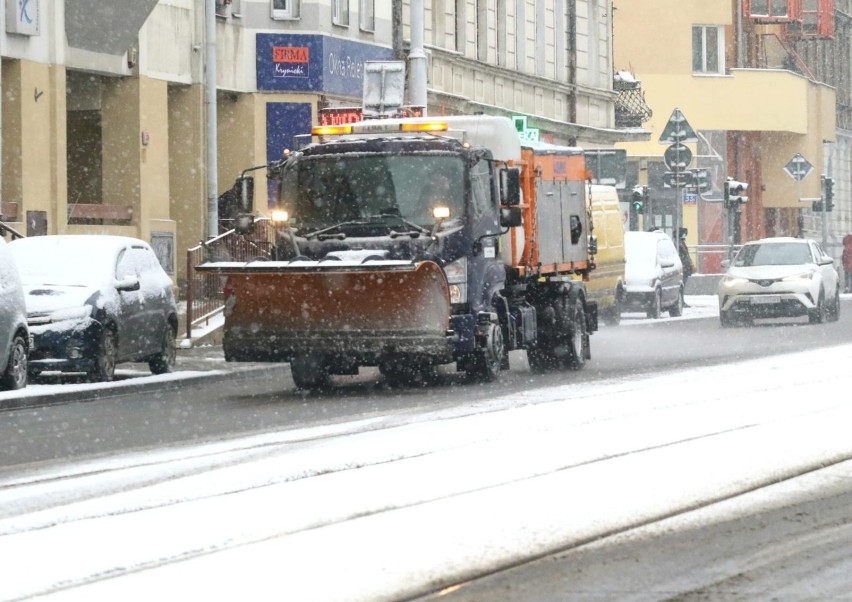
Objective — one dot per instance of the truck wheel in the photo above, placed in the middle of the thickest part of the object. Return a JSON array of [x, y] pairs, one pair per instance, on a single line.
[[487, 361], [552, 351], [309, 372]]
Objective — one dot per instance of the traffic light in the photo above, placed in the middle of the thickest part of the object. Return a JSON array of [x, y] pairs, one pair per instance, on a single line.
[[734, 192], [637, 199], [828, 192], [701, 180]]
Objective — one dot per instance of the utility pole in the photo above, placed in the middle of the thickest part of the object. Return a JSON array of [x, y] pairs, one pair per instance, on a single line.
[[212, 116], [417, 56]]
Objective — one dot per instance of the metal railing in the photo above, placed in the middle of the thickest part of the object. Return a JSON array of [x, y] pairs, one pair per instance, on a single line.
[[7, 229], [710, 257], [204, 292]]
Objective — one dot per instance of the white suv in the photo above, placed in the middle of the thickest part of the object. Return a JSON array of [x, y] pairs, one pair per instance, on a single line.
[[14, 336], [780, 277]]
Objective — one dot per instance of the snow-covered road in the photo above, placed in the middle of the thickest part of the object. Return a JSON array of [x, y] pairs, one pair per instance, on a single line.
[[385, 509]]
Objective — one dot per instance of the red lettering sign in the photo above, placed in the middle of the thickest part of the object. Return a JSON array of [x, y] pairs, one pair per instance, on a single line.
[[339, 116], [290, 54]]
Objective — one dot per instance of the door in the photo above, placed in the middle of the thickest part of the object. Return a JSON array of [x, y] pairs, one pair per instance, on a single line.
[[134, 329]]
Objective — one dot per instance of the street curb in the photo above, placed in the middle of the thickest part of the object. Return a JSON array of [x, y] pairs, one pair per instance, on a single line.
[[128, 386]]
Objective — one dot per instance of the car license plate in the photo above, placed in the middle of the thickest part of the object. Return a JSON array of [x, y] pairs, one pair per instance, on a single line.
[[766, 299]]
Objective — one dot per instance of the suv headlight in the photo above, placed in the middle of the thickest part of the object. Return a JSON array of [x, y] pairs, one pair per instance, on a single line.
[[733, 281], [802, 276], [457, 279]]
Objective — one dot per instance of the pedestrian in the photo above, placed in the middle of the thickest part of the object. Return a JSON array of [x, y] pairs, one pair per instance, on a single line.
[[846, 258], [686, 260]]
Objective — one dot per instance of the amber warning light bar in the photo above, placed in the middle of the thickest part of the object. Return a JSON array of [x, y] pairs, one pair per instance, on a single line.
[[379, 127]]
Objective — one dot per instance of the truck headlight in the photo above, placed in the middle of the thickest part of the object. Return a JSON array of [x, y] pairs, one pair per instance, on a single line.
[[457, 279], [280, 217]]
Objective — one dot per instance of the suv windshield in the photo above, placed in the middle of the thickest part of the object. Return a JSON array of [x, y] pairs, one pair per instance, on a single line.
[[322, 192], [778, 253]]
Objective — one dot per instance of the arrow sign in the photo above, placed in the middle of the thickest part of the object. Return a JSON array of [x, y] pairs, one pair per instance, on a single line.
[[678, 130], [798, 167]]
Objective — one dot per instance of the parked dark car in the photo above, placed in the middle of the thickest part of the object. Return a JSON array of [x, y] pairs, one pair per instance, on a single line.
[[14, 338], [94, 301]]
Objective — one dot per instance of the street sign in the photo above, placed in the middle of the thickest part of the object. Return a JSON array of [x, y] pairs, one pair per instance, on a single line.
[[678, 130], [798, 168], [677, 179], [677, 157]]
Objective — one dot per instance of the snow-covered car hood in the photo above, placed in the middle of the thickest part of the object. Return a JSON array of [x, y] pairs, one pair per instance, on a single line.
[[769, 272], [640, 273], [47, 298]]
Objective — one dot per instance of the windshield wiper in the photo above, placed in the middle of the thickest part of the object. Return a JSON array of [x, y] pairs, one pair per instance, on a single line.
[[337, 226], [412, 227]]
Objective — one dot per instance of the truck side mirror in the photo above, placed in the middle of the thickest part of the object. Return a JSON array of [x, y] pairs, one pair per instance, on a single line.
[[510, 217], [245, 191], [510, 186]]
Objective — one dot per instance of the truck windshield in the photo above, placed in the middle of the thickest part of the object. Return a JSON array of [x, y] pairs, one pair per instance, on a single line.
[[323, 191]]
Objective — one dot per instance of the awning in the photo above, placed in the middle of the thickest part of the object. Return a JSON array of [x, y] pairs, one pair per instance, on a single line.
[[106, 27]]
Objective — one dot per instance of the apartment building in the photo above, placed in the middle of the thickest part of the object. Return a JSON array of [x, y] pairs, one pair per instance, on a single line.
[[104, 114], [761, 82]]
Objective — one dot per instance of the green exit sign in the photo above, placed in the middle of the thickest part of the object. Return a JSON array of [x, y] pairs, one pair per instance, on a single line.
[[526, 134]]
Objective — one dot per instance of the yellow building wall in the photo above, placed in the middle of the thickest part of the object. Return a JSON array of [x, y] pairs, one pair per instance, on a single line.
[[792, 114], [651, 37], [187, 170], [242, 138], [34, 169]]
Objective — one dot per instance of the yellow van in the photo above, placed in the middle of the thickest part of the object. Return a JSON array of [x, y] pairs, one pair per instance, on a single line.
[[606, 282]]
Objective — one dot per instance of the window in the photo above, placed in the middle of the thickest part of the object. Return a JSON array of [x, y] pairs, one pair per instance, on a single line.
[[501, 33], [460, 25], [284, 9], [480, 189], [708, 50], [340, 12], [482, 30], [368, 15], [818, 18], [775, 9]]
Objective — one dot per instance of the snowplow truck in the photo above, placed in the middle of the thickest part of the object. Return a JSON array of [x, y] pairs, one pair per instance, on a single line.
[[410, 243]]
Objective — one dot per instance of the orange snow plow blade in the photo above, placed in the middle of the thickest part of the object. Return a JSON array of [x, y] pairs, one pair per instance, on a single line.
[[277, 310]]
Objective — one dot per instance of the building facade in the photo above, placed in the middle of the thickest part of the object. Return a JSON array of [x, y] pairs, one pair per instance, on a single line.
[[760, 83], [104, 105]]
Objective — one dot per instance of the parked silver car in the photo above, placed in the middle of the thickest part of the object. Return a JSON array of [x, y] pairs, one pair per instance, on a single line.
[[14, 336], [94, 301], [780, 277], [653, 274]]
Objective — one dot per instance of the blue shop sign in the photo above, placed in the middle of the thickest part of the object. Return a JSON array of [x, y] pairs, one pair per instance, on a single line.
[[314, 63]]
